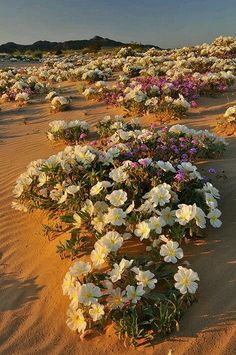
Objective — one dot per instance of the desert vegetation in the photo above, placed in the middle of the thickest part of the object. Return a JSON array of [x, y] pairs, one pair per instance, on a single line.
[[125, 195]]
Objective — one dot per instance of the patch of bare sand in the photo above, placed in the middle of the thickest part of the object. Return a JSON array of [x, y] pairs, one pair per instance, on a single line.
[[32, 307]]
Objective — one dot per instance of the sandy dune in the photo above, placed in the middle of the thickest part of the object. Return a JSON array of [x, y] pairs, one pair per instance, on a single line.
[[32, 307]]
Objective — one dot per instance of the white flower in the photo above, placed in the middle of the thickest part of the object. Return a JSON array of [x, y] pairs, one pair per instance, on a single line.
[[185, 213], [96, 312], [116, 216], [88, 294], [42, 178], [116, 273], [159, 195], [186, 280], [145, 278], [76, 320], [96, 189], [134, 294], [98, 255], [74, 296], [118, 175], [99, 222], [156, 224], [77, 220], [117, 198], [200, 218], [168, 215], [188, 167], [88, 207], [166, 166], [68, 284], [22, 183], [142, 230], [210, 200], [118, 269], [112, 241], [116, 298], [214, 218], [84, 155], [130, 208], [80, 268], [208, 187], [171, 251], [72, 189]]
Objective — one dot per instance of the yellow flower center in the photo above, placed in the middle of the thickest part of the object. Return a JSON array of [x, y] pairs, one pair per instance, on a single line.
[[88, 295], [171, 252], [117, 300], [186, 281]]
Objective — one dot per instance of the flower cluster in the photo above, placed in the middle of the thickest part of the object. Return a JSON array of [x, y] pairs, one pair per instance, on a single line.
[[227, 123], [158, 94], [174, 144], [205, 69], [230, 114], [60, 103], [137, 212], [71, 132], [108, 125], [20, 87]]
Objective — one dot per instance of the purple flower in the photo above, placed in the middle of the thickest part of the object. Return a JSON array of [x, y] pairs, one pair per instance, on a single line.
[[93, 143], [184, 156], [205, 178], [212, 171], [83, 136], [134, 165], [193, 104], [164, 147], [176, 150], [193, 151], [128, 154], [144, 147], [180, 176]]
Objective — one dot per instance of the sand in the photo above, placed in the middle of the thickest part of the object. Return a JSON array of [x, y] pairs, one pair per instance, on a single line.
[[32, 307]]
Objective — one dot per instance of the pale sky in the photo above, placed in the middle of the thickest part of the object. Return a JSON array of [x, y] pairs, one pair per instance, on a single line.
[[167, 23]]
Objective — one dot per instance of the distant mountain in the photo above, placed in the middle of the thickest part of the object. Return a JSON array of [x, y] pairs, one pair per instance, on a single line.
[[48, 46]]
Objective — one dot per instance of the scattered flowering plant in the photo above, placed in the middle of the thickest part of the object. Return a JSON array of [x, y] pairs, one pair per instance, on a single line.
[[227, 123], [60, 103], [94, 75], [108, 125], [134, 99], [22, 98], [71, 132], [230, 114], [162, 94], [177, 143], [50, 96]]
